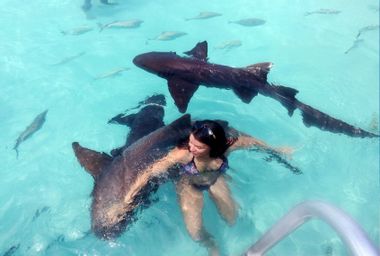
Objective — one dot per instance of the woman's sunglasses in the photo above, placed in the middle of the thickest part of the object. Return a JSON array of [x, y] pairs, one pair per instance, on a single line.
[[203, 128]]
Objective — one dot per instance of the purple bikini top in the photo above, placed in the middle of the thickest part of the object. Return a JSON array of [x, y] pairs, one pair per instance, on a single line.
[[190, 168]]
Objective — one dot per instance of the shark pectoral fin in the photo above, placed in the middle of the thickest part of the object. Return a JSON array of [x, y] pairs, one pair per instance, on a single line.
[[199, 51], [181, 91], [94, 162], [245, 94], [124, 120], [260, 70]]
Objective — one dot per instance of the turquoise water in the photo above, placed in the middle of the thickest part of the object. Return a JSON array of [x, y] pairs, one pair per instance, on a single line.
[[45, 194]]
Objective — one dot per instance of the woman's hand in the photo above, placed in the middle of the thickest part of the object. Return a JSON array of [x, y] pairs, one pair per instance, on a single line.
[[285, 151]]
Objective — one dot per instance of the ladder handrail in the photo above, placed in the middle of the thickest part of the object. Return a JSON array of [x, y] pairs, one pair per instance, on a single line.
[[349, 231]]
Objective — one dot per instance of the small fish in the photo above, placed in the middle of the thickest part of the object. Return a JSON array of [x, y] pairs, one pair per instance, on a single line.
[[77, 31], [251, 22], [227, 45], [204, 15], [168, 35], [112, 73], [39, 212], [68, 59], [30, 130], [323, 11], [367, 28], [121, 24], [355, 44]]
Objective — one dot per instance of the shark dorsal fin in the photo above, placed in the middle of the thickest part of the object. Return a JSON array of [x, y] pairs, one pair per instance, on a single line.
[[182, 123], [181, 91], [94, 162], [199, 51], [260, 70]]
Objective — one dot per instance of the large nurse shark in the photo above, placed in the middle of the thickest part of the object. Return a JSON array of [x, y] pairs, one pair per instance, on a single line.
[[124, 182], [185, 74]]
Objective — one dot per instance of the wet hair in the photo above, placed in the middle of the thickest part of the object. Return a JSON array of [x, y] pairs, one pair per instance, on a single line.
[[213, 135]]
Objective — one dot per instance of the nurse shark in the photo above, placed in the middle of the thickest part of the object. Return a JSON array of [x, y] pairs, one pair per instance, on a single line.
[[186, 74], [123, 183]]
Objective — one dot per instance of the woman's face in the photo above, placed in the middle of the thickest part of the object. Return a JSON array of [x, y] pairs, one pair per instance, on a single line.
[[197, 148]]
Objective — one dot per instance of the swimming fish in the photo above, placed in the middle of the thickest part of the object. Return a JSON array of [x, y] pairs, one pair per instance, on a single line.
[[30, 130], [112, 73], [121, 24], [366, 29], [124, 183], [185, 75], [40, 211], [168, 35], [77, 31], [68, 59], [204, 15], [249, 22], [227, 45], [354, 45], [323, 11]]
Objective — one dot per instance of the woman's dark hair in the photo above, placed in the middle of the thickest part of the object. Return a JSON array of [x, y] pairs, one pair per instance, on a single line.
[[213, 135]]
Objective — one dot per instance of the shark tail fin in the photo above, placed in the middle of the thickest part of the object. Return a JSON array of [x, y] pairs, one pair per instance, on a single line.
[[314, 117], [94, 162], [260, 70]]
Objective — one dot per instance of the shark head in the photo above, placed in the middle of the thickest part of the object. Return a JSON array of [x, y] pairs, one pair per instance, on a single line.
[[160, 63]]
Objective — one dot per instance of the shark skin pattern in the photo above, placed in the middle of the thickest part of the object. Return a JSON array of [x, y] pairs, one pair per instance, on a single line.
[[186, 74]]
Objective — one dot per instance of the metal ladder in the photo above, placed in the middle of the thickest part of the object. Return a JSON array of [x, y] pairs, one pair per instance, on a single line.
[[349, 231]]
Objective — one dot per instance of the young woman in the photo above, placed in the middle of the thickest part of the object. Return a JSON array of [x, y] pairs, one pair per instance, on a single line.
[[201, 164]]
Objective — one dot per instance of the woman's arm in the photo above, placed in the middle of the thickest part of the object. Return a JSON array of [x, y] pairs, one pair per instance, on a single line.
[[175, 156], [245, 141]]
